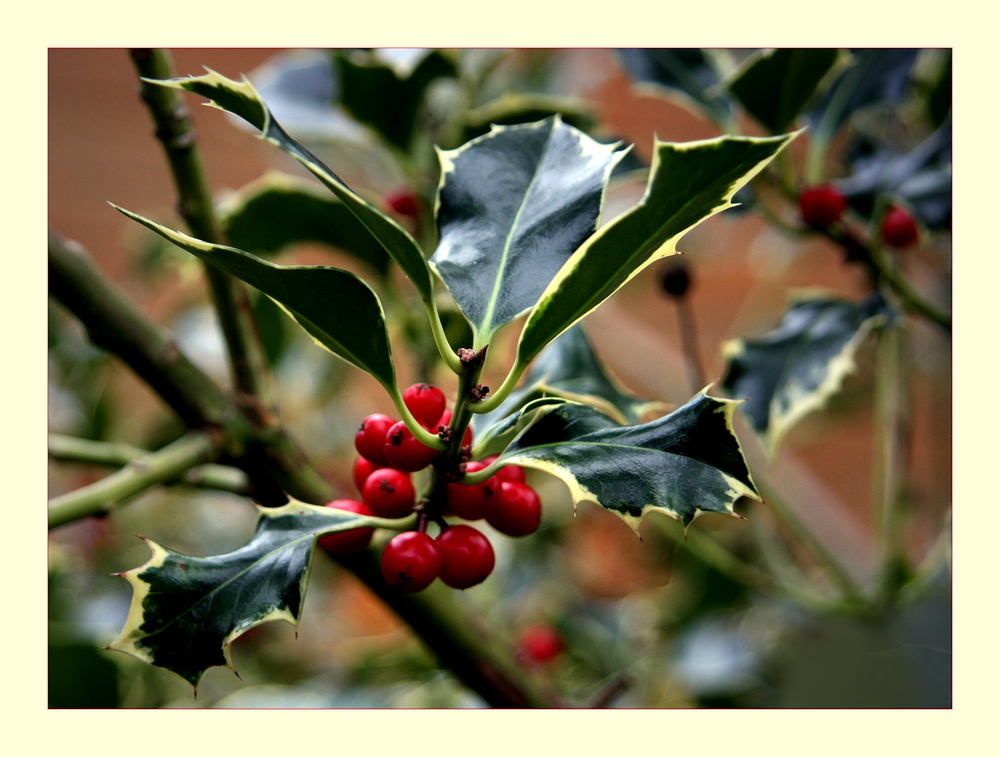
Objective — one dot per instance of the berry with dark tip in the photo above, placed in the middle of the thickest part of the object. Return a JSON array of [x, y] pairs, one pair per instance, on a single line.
[[404, 451], [370, 439], [389, 493], [516, 511], [352, 541], [472, 502], [467, 556], [411, 561], [426, 402], [898, 228]]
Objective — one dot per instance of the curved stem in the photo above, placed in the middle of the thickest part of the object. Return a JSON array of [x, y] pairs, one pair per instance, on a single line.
[[448, 355], [910, 298], [139, 475], [495, 399], [424, 436]]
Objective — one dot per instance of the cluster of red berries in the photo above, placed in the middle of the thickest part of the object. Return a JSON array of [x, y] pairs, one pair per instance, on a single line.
[[461, 556], [822, 206]]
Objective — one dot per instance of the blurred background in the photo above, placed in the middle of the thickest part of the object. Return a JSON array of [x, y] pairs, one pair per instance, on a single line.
[[586, 604]]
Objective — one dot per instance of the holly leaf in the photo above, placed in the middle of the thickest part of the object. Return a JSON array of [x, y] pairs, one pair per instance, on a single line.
[[186, 611], [493, 435], [774, 86], [241, 99], [525, 107], [278, 210], [338, 309], [512, 206], [688, 182], [569, 368], [683, 464], [797, 367]]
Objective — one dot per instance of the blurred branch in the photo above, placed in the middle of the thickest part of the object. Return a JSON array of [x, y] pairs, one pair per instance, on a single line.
[[116, 454], [232, 305], [909, 297], [136, 477]]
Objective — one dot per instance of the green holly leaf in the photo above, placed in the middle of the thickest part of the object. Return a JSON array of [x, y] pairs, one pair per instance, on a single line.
[[241, 99], [338, 309], [512, 206], [687, 183], [569, 368], [186, 610], [388, 97], [683, 464], [775, 85], [279, 210], [797, 367]]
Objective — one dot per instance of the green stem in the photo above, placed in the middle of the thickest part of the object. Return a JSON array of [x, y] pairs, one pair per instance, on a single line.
[[116, 454], [158, 467], [892, 433], [689, 340], [496, 398], [909, 297], [232, 304]]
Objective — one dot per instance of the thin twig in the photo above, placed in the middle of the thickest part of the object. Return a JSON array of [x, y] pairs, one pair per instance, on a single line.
[[139, 475], [689, 339]]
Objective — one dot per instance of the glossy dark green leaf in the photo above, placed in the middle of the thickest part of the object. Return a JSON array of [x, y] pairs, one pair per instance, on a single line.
[[278, 210], [689, 70], [241, 99], [495, 431], [569, 368], [385, 98], [775, 85], [798, 366], [688, 183], [187, 610], [683, 464], [513, 205], [338, 309]]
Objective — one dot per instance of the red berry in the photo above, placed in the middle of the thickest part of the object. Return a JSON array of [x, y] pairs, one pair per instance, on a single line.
[[821, 205], [446, 421], [472, 502], [898, 228], [403, 202], [541, 643], [426, 402], [370, 439], [362, 470], [389, 493], [411, 561], [516, 511], [507, 472], [467, 556], [404, 451], [354, 540]]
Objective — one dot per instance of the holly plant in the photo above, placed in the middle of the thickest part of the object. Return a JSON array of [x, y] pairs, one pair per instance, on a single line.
[[518, 245]]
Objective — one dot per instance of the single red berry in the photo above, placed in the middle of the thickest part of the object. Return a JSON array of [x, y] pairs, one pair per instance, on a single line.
[[472, 502], [467, 556], [370, 439], [898, 228], [446, 421], [389, 493], [426, 402], [404, 451], [516, 511], [354, 540], [411, 561], [540, 643], [821, 205], [362, 469], [403, 202]]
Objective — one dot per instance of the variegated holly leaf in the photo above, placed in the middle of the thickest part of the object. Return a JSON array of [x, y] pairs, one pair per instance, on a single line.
[[186, 610], [241, 99], [495, 431], [798, 366], [688, 182], [388, 97], [279, 210], [338, 309], [512, 206], [569, 368], [775, 85], [683, 464]]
